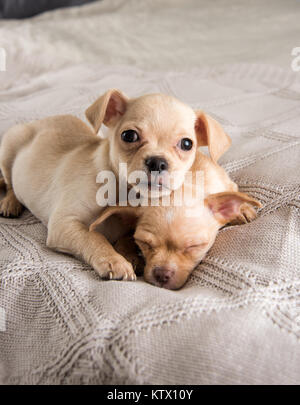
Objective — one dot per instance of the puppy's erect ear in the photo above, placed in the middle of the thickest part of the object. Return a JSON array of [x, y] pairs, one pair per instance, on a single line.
[[129, 216], [229, 206], [107, 109], [210, 133]]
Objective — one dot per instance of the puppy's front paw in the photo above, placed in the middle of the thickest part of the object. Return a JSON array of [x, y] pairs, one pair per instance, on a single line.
[[10, 207], [114, 268]]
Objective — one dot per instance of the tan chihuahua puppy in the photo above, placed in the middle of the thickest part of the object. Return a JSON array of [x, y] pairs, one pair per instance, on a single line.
[[50, 166], [174, 239]]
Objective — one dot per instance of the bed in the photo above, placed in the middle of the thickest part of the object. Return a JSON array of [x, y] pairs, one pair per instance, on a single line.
[[237, 320]]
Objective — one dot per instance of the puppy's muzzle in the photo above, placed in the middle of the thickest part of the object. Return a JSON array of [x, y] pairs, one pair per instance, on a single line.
[[156, 164], [162, 275]]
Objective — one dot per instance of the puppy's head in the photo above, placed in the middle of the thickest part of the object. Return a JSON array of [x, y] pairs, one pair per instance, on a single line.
[[173, 240], [155, 134]]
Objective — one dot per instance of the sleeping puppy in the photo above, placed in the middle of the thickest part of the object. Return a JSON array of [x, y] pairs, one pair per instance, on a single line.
[[50, 166], [174, 239]]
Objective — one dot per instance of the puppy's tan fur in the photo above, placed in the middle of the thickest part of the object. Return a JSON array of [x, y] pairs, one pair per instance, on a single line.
[[174, 240], [50, 166]]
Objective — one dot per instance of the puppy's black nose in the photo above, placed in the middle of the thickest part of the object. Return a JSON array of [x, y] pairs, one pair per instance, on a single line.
[[156, 164], [162, 274]]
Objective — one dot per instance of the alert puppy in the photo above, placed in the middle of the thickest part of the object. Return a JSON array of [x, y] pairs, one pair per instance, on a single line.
[[50, 166], [172, 239]]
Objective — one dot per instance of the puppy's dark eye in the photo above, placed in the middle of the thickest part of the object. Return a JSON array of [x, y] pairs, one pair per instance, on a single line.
[[130, 136], [185, 144]]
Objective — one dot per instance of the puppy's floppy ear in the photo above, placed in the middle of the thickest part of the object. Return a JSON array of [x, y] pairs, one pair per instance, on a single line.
[[107, 109], [129, 216], [210, 133], [229, 206]]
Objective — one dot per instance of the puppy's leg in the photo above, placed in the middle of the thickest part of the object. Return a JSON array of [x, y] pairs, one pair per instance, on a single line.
[[71, 236], [12, 142], [127, 247], [10, 206]]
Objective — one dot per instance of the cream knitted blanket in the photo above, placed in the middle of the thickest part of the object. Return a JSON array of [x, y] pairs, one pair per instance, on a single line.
[[237, 320]]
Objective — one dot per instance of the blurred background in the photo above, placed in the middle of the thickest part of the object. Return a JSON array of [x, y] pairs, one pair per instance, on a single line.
[[150, 34], [29, 8]]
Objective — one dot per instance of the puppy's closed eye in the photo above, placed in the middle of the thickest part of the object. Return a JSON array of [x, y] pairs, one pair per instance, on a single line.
[[195, 247], [144, 244]]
